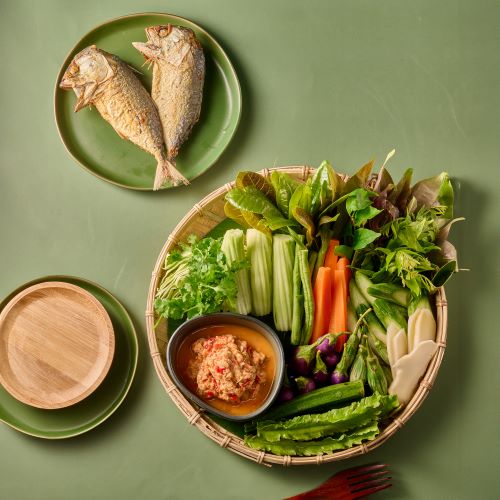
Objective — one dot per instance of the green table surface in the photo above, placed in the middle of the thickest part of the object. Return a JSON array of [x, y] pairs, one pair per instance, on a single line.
[[345, 81]]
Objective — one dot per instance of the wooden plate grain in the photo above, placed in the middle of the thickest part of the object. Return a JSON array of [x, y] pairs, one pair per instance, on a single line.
[[56, 345]]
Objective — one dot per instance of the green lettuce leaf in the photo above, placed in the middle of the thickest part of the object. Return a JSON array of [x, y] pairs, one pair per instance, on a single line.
[[245, 179], [307, 427], [311, 448], [284, 187], [323, 187]]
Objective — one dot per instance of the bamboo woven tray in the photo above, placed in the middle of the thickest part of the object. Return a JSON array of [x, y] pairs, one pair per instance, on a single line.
[[200, 220]]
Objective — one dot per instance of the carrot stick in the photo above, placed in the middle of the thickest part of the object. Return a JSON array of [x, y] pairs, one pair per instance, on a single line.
[[330, 257], [338, 317], [322, 292], [343, 263]]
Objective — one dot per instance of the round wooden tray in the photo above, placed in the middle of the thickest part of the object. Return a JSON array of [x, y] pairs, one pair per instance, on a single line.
[[56, 345], [203, 218]]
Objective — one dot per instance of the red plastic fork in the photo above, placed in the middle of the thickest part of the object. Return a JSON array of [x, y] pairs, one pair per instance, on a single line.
[[356, 482]]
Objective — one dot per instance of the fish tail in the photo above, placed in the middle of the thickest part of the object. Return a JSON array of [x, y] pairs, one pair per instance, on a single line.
[[166, 172]]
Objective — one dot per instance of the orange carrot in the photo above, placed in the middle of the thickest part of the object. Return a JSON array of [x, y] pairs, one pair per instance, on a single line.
[[330, 257], [343, 263], [322, 292], [338, 316]]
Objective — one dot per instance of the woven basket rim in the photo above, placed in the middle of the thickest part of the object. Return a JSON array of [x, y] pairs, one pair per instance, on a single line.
[[219, 434]]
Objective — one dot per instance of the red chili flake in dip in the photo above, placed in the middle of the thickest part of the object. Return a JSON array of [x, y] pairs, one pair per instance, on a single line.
[[226, 367]]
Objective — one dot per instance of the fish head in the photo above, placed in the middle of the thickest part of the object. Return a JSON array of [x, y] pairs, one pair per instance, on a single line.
[[89, 69], [167, 42]]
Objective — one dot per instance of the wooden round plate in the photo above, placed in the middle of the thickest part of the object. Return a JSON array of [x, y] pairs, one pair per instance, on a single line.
[[56, 345]]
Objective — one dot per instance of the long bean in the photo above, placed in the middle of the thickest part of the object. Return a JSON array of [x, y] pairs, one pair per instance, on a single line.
[[298, 302], [305, 278]]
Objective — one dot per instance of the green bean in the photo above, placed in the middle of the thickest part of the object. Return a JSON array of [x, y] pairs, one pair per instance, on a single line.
[[298, 302], [305, 277]]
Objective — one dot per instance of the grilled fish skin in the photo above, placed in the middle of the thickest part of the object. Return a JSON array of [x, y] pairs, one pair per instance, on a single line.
[[103, 80], [178, 77]]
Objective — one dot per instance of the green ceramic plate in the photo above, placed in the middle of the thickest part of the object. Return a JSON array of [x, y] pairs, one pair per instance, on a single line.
[[83, 416], [95, 145]]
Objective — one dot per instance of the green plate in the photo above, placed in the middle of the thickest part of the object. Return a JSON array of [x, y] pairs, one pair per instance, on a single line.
[[83, 416], [96, 146]]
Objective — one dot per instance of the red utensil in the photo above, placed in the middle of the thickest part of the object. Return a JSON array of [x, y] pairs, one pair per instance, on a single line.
[[356, 482]]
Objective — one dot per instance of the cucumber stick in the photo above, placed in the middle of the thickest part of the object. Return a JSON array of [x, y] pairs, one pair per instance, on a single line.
[[260, 255], [283, 262], [233, 246]]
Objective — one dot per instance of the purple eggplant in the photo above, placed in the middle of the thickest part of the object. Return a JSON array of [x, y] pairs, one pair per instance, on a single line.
[[320, 371], [300, 361], [285, 394], [325, 347], [305, 384], [331, 360], [338, 378]]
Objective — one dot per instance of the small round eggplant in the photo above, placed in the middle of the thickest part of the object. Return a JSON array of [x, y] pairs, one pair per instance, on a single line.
[[338, 378], [331, 360]]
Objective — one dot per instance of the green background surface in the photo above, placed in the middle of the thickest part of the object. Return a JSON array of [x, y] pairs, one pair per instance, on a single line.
[[342, 80]]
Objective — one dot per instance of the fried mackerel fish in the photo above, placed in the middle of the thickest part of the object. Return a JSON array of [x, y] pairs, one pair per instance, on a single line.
[[102, 79], [178, 77]]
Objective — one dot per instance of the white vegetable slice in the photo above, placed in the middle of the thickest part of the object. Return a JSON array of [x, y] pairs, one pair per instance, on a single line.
[[391, 346], [425, 328], [409, 369], [412, 328]]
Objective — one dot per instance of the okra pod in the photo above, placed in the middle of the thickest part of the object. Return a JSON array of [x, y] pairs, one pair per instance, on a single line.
[[375, 374]]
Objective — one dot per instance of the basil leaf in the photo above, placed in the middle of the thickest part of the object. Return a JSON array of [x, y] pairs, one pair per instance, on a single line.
[[357, 200], [361, 216], [363, 237]]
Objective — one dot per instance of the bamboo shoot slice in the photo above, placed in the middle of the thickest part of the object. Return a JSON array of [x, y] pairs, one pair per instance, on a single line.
[[409, 370]]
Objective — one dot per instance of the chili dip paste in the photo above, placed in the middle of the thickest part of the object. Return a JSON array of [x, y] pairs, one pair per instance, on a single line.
[[231, 367]]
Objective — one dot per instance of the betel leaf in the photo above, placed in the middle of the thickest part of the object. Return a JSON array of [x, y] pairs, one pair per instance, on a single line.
[[284, 186], [363, 237], [323, 187], [246, 179], [306, 221]]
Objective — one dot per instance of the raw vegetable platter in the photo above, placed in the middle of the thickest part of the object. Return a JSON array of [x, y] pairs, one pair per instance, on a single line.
[[339, 219]]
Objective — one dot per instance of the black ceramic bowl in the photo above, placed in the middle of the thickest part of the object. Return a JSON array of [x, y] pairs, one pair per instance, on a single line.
[[195, 324]]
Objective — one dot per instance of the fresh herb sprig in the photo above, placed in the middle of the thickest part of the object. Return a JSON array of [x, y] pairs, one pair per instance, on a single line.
[[197, 280]]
